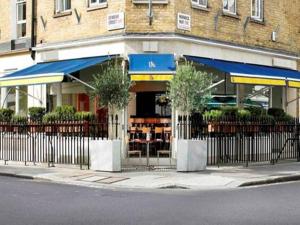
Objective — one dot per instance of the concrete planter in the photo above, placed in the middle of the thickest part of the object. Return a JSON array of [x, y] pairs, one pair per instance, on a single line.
[[191, 155], [105, 155]]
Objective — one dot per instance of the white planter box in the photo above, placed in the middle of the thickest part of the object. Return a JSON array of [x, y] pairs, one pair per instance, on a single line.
[[191, 155], [105, 155]]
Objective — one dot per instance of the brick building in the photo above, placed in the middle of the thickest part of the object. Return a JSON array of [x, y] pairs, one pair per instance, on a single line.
[[258, 41]]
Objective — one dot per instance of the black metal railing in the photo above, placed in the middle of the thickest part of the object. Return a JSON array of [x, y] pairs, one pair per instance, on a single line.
[[56, 142], [243, 141]]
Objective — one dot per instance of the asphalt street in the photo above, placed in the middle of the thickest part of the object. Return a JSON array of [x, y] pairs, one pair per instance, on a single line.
[[26, 202]]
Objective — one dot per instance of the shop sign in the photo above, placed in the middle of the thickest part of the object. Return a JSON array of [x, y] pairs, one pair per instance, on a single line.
[[116, 21]]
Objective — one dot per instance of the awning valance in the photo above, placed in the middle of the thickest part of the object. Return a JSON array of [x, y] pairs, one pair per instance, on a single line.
[[49, 72], [151, 67], [252, 74]]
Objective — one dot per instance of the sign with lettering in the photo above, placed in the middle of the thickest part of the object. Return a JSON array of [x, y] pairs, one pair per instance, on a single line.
[[183, 21], [116, 21]]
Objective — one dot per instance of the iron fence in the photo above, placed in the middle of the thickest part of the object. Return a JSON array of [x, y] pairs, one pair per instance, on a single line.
[[234, 141], [58, 142]]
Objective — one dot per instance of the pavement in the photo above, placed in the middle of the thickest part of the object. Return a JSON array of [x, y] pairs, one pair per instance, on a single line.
[[212, 178]]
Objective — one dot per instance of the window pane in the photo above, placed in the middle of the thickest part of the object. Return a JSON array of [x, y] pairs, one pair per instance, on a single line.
[[67, 4], [21, 10], [21, 30], [231, 6], [225, 4]]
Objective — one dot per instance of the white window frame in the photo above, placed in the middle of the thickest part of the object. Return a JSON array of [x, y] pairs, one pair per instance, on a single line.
[[20, 22], [227, 10], [196, 3], [258, 15], [96, 4], [61, 5]]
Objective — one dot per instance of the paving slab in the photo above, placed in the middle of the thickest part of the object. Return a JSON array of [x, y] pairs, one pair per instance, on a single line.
[[212, 178]]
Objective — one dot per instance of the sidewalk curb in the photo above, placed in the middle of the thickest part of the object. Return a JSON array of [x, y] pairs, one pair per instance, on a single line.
[[271, 181], [28, 177]]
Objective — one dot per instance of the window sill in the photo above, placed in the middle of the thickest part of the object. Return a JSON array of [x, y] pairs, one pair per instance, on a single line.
[[100, 6], [231, 15], [61, 14], [202, 8], [257, 21]]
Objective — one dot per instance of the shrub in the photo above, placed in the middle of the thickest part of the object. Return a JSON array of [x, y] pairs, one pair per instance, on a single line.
[[50, 117], [276, 112], [243, 114], [213, 115], [65, 111], [6, 115], [88, 116], [256, 111], [19, 119], [230, 111], [36, 113]]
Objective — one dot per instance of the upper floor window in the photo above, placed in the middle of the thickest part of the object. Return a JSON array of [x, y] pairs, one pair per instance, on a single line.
[[62, 6], [229, 6], [201, 3], [21, 18], [257, 8], [95, 3]]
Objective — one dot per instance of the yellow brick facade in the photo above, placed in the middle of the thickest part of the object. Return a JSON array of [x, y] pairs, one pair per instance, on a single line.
[[67, 28], [6, 20], [279, 15]]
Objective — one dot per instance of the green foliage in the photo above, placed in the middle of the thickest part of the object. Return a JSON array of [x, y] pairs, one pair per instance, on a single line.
[[6, 115], [276, 112], [65, 111], [213, 115], [19, 119], [111, 87], [51, 117], [36, 113], [229, 111], [87, 116], [256, 111], [243, 114], [188, 89]]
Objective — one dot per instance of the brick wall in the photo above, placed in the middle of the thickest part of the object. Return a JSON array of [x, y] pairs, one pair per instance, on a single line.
[[66, 28], [277, 14]]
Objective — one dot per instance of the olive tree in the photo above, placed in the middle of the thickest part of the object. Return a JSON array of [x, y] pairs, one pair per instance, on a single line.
[[189, 89], [111, 88]]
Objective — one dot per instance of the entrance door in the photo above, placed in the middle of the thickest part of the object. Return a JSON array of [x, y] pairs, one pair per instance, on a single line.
[[83, 102]]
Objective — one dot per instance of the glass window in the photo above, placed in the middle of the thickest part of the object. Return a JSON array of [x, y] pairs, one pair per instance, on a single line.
[[201, 3], [229, 6], [62, 6], [96, 2], [257, 9], [21, 18]]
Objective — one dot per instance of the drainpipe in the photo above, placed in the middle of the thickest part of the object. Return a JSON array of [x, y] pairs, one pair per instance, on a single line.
[[150, 12], [33, 20]]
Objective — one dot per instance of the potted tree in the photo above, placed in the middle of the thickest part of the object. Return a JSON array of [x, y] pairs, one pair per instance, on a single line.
[[111, 88], [189, 92]]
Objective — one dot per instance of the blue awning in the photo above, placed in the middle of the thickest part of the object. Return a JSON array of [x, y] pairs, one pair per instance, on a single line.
[[252, 74], [49, 72], [151, 67]]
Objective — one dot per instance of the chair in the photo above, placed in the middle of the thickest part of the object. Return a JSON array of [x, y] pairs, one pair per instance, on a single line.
[[158, 136], [168, 140], [133, 140]]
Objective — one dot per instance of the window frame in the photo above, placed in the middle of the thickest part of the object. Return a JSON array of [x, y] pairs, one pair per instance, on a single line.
[[260, 16], [23, 21], [228, 11], [62, 8], [197, 4]]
